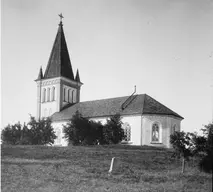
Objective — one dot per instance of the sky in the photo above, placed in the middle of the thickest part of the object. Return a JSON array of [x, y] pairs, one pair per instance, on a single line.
[[163, 47]]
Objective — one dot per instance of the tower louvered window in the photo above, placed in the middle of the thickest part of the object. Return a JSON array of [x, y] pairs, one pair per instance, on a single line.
[[53, 94], [48, 94], [64, 95], [70, 96], [44, 95]]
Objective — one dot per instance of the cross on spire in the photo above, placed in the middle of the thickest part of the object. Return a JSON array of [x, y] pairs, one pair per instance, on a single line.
[[61, 17]]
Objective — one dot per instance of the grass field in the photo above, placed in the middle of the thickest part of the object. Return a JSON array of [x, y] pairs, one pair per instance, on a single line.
[[56, 169]]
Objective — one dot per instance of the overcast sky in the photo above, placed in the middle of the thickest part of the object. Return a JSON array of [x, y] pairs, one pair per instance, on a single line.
[[163, 47]]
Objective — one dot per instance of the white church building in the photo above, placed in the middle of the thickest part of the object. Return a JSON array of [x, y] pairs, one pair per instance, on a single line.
[[145, 120]]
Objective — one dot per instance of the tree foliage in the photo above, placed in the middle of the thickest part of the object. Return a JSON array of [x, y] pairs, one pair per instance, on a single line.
[[41, 131], [112, 131], [36, 132], [206, 161], [190, 144], [11, 134], [82, 131], [182, 144]]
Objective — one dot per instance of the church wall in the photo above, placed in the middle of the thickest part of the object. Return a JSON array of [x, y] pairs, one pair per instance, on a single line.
[[58, 128], [139, 135], [166, 129], [48, 108], [135, 124]]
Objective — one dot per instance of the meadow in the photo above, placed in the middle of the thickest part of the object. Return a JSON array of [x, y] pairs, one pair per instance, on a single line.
[[81, 168]]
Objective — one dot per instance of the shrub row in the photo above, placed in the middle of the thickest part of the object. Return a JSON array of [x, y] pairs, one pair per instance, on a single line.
[[82, 131], [35, 132]]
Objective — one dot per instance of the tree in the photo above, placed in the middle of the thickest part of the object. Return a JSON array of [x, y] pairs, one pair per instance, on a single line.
[[41, 131], [11, 134], [205, 163], [77, 129], [81, 131], [112, 130], [182, 145]]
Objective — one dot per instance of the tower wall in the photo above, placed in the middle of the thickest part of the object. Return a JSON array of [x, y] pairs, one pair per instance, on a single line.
[[49, 101]]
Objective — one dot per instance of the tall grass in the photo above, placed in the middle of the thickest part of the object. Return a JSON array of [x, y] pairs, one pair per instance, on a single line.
[[42, 168]]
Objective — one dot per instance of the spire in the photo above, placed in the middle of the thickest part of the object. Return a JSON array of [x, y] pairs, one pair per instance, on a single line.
[[77, 77], [40, 75], [59, 62]]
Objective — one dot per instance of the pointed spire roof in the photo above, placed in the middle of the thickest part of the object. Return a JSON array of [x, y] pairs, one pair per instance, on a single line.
[[59, 64], [77, 77], [40, 74]]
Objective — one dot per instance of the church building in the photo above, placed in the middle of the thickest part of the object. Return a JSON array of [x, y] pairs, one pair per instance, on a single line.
[[145, 120]]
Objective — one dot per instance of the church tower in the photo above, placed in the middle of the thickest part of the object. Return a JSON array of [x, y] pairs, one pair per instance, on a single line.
[[57, 87]]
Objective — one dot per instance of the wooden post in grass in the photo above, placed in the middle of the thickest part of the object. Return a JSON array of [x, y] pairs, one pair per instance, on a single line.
[[111, 165], [183, 165]]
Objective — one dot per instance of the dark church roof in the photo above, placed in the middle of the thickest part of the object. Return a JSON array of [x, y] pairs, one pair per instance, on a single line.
[[59, 64], [140, 104], [40, 75]]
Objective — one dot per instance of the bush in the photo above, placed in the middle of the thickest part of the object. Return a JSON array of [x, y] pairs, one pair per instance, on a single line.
[[11, 134], [112, 130], [36, 133], [41, 132], [182, 145], [206, 162], [81, 131]]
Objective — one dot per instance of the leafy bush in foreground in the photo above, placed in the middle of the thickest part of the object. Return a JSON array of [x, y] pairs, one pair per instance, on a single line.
[[207, 159], [182, 145], [81, 131], [36, 132], [190, 144]]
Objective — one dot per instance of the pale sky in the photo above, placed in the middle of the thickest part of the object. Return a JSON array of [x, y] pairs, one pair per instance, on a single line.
[[163, 47]]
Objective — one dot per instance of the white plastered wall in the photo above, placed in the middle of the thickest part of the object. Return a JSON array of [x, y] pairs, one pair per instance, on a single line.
[[166, 124], [135, 124], [58, 128]]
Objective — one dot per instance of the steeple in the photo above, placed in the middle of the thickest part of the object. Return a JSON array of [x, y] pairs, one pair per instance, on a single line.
[[77, 77], [58, 87], [59, 64], [40, 75]]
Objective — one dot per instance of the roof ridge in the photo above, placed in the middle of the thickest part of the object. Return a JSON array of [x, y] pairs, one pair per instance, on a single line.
[[109, 98]]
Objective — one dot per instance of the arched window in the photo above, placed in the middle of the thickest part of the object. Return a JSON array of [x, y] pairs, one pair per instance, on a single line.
[[64, 97], [53, 93], [127, 131], [44, 95], [48, 94], [73, 96], [174, 128], [155, 132], [70, 96]]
